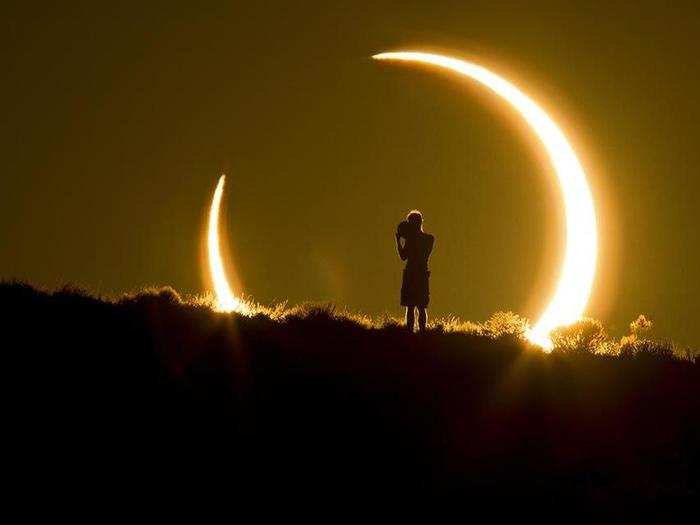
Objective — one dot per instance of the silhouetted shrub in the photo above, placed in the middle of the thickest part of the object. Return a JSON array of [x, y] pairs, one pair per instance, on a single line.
[[632, 346], [162, 295], [585, 336], [455, 325], [640, 326], [503, 324]]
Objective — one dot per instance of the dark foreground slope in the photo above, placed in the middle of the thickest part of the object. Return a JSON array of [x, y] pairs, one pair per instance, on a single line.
[[148, 394]]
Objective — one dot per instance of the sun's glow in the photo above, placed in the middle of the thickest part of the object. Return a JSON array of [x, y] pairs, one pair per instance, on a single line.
[[225, 298], [576, 277]]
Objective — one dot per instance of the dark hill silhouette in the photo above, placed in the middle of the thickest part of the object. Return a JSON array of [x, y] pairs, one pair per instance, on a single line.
[[315, 408]]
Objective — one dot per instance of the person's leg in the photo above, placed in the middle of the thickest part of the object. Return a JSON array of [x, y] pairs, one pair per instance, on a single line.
[[410, 318], [422, 318]]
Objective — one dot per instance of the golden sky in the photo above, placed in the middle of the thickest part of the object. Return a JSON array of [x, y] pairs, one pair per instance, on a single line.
[[119, 121]]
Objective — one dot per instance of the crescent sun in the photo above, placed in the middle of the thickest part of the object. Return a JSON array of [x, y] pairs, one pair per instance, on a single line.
[[226, 300], [578, 269]]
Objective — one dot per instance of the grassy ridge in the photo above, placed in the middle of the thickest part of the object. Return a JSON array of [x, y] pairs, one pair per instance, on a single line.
[[306, 402]]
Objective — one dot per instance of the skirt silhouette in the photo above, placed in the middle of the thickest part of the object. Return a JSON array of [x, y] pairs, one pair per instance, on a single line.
[[415, 289]]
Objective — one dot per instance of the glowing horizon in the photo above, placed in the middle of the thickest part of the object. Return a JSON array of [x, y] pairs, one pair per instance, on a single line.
[[578, 270], [226, 299]]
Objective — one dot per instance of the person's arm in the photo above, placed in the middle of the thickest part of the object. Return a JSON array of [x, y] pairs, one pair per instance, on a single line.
[[400, 249]]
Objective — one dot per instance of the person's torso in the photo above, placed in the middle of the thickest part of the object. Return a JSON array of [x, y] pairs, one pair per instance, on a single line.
[[418, 251]]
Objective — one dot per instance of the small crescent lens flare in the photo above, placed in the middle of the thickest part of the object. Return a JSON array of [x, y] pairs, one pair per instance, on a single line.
[[578, 270], [225, 298]]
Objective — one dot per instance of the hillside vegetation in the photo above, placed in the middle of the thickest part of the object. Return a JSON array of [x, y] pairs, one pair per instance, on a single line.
[[308, 404]]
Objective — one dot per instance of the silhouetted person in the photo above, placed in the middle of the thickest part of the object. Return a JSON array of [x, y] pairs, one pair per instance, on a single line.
[[415, 250]]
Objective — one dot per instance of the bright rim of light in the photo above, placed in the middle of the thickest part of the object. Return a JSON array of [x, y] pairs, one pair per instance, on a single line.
[[576, 278], [225, 298]]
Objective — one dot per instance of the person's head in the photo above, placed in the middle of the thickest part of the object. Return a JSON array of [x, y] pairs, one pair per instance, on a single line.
[[415, 219]]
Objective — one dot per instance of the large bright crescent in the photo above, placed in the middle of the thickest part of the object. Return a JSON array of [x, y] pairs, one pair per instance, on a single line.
[[578, 270]]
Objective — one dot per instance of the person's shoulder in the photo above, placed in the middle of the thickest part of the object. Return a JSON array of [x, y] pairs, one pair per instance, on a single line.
[[429, 236]]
